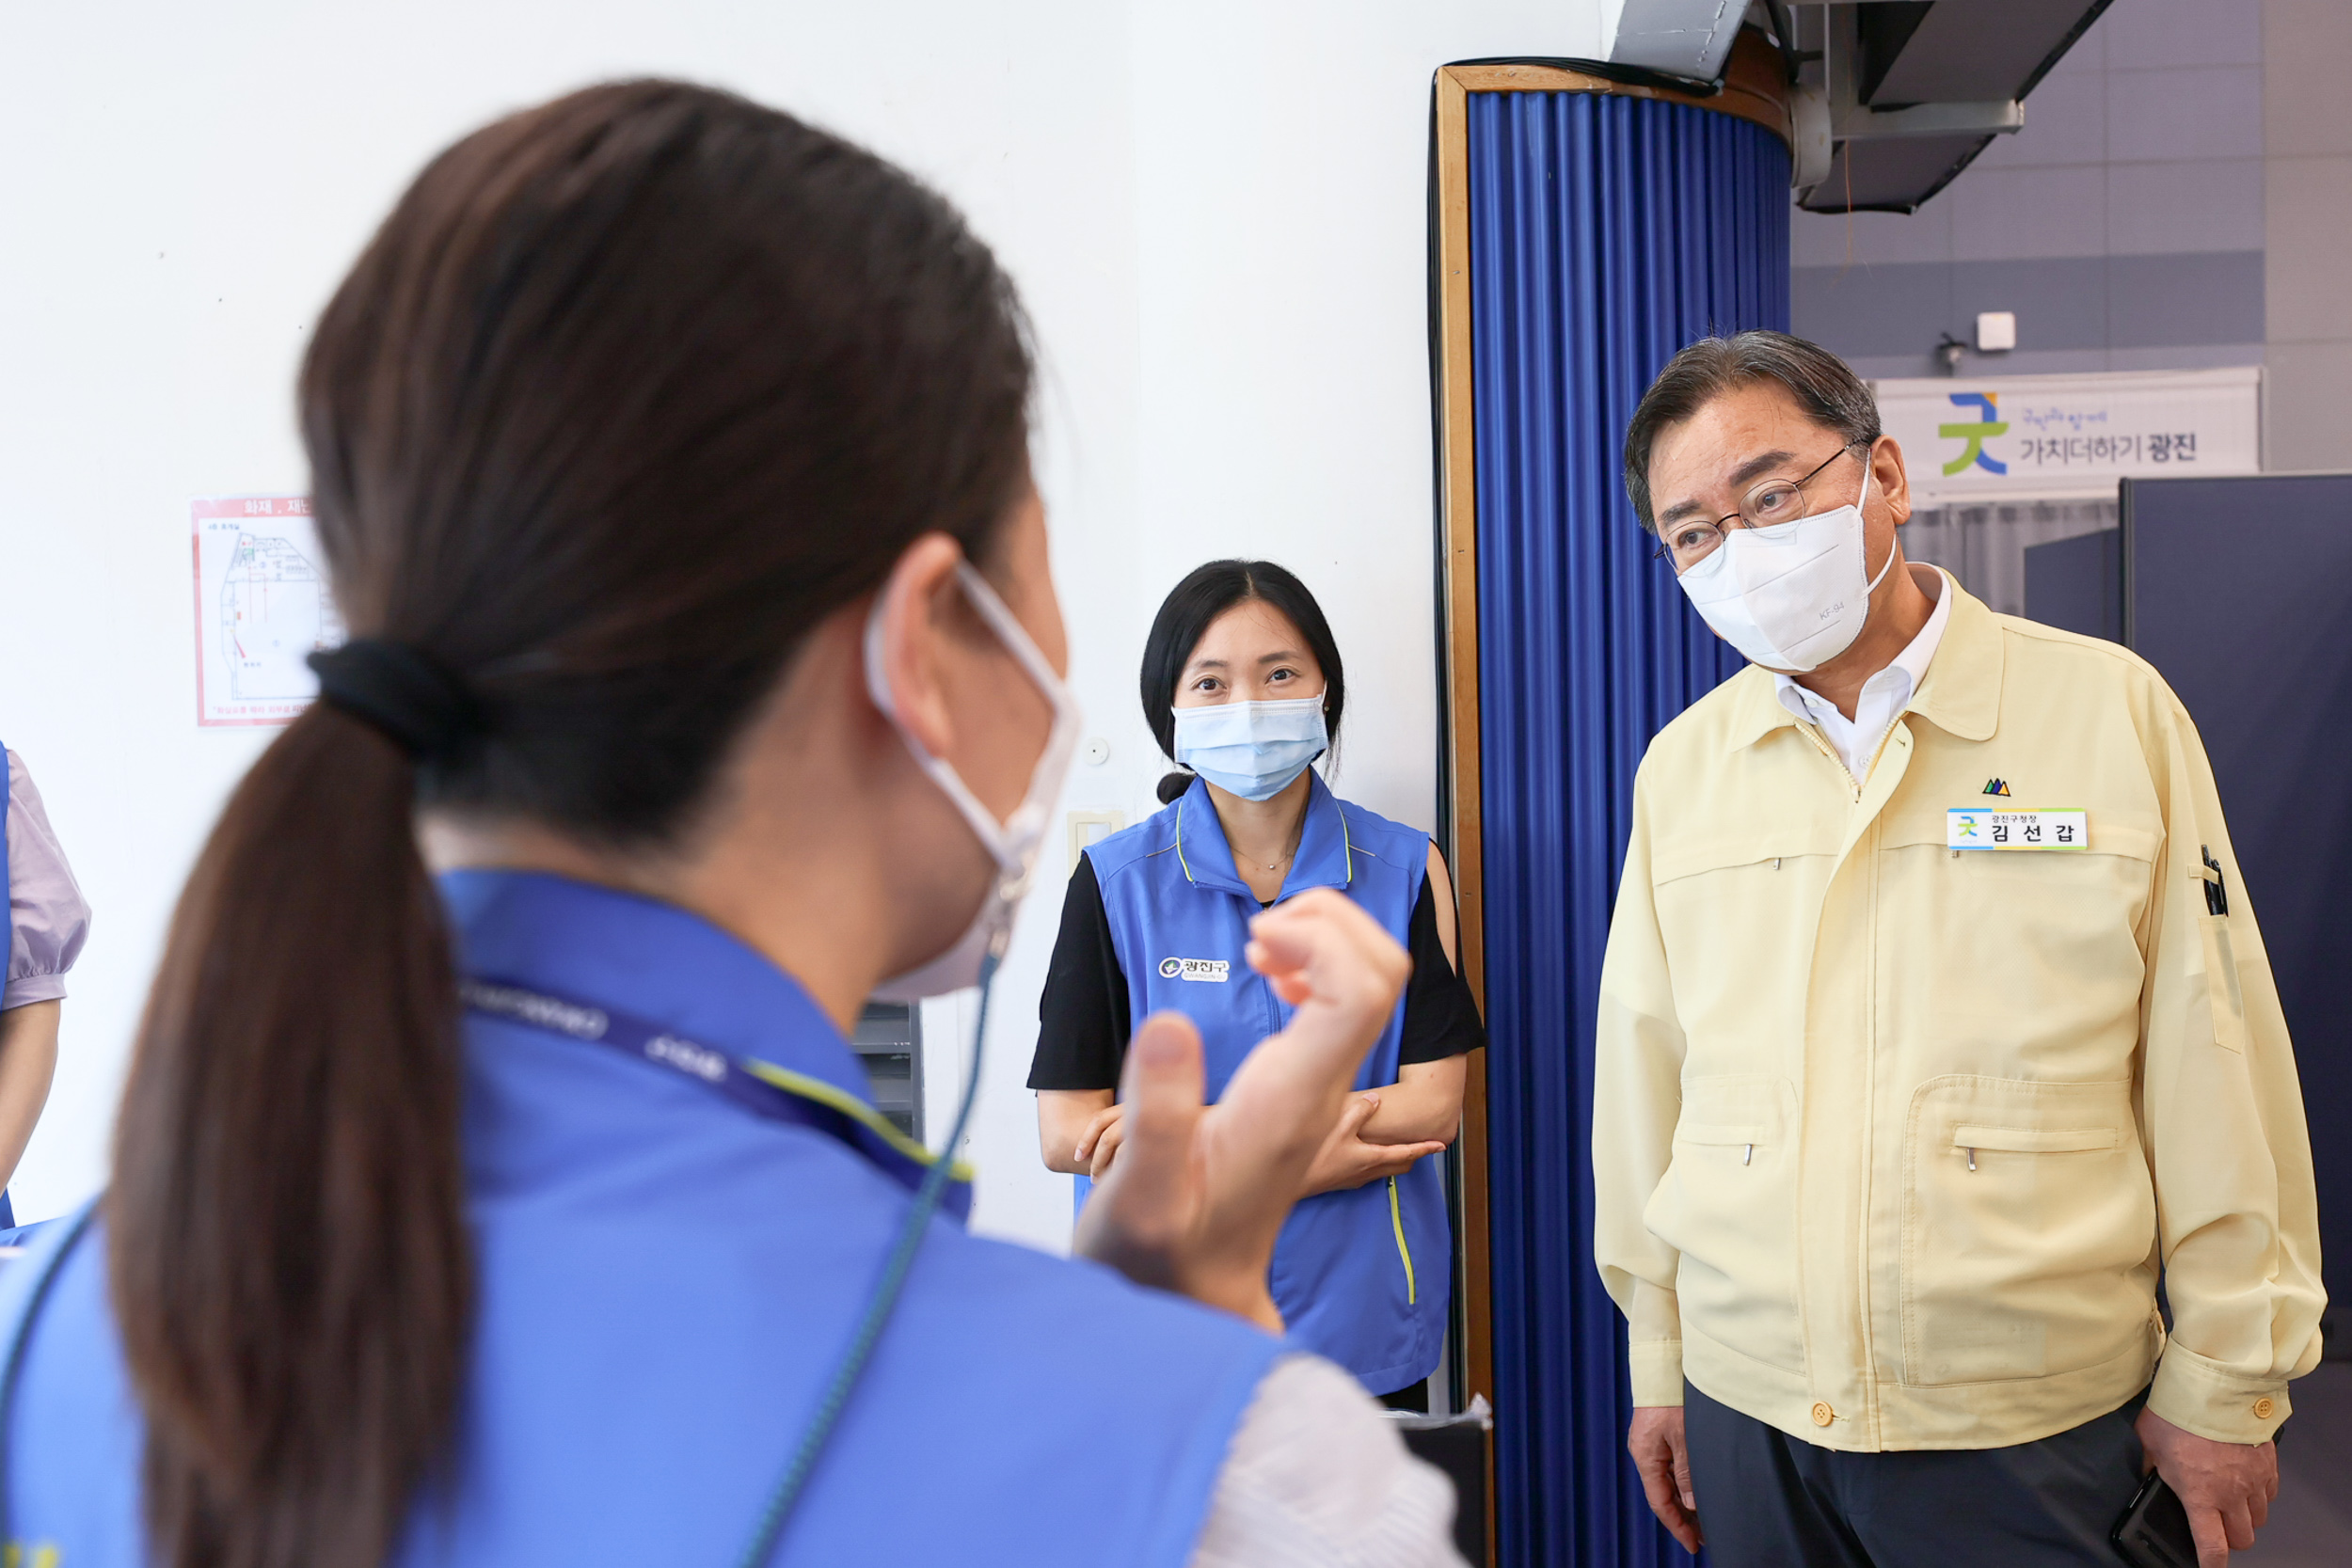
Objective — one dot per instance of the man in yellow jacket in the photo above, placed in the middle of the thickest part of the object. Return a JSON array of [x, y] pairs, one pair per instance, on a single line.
[[1934, 1030]]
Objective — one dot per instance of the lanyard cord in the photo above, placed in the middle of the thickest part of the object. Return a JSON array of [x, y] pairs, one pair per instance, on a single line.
[[877, 1314], [18, 1340]]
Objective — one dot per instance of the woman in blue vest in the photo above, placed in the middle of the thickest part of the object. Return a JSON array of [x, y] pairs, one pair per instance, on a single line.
[[1243, 685], [47, 923], [669, 458]]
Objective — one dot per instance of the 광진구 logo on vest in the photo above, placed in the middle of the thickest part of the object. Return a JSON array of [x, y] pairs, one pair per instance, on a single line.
[[1195, 968]]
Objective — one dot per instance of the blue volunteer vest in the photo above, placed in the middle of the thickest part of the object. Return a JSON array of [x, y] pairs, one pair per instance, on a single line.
[[1360, 1276], [665, 1281], [7, 1208]]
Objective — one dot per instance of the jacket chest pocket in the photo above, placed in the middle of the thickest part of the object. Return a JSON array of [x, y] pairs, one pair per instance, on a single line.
[[1757, 896], [2029, 1229], [1727, 1204], [2027, 960]]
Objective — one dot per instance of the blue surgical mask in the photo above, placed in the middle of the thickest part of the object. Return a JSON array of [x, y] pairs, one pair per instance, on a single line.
[[1252, 750]]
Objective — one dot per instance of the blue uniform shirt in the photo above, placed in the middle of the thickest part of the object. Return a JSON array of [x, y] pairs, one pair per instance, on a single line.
[[666, 1279], [1362, 1277]]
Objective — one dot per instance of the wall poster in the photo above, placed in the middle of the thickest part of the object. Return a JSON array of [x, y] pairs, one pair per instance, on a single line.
[[261, 609]]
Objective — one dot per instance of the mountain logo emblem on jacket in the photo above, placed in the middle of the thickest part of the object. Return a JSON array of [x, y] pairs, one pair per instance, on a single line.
[[1997, 787]]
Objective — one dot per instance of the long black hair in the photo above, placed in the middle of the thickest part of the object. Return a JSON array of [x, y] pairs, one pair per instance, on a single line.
[[1188, 611], [631, 391]]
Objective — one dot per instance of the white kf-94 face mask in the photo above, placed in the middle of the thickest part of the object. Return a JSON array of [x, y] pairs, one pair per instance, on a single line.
[[1014, 842], [1792, 596]]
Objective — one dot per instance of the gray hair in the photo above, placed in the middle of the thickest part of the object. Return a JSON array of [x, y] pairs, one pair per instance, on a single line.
[[1823, 385]]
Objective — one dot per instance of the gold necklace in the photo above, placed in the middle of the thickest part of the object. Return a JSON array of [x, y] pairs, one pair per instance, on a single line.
[[1291, 852]]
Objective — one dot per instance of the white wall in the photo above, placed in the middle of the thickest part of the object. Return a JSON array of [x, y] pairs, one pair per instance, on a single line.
[[1214, 211]]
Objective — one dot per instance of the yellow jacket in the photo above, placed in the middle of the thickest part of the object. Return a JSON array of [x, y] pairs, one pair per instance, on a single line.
[[1816, 1018]]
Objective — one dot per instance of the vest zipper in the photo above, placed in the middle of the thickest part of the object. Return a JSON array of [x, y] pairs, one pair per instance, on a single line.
[[1396, 1219]]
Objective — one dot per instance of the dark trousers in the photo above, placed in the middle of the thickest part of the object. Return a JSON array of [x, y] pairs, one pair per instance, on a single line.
[[1413, 1398], [1768, 1500]]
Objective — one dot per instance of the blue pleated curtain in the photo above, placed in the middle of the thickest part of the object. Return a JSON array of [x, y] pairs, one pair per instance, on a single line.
[[1606, 233]]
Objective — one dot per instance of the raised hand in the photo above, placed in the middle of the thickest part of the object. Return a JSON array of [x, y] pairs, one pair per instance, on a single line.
[[1198, 1192]]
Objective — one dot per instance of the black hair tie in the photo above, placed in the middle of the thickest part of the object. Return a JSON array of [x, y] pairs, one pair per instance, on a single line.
[[420, 706]]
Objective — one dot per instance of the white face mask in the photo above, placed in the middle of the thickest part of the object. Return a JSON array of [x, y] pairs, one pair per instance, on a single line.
[[1253, 749], [1013, 843], [1792, 596]]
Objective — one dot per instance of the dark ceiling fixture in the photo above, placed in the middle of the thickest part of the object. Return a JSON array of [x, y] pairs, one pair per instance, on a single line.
[[1913, 90]]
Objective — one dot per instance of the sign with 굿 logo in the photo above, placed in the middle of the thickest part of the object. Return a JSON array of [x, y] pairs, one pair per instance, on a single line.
[[1217, 970], [2053, 437]]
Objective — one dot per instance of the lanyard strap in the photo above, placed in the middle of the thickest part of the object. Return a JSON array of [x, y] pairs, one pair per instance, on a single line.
[[760, 1087]]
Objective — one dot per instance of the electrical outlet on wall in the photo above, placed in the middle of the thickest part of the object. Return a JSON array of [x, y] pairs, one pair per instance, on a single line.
[[1091, 827]]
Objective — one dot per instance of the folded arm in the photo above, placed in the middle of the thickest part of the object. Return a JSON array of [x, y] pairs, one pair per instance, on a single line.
[[1070, 1123]]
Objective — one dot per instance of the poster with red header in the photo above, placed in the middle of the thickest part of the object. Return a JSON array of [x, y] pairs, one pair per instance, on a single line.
[[261, 609]]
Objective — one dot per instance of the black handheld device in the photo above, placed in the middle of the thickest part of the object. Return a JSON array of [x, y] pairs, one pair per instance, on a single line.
[[2154, 1531]]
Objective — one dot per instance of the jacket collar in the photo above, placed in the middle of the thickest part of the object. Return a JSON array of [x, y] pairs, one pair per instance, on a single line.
[[1325, 857], [1961, 692], [616, 950]]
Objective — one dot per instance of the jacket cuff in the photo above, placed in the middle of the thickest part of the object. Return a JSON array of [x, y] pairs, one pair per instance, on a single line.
[[2212, 1401], [1656, 1366]]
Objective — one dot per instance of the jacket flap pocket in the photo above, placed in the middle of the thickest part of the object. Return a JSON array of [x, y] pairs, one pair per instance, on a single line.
[[2034, 1140], [1739, 1109], [2136, 834], [1721, 1133], [1691, 854]]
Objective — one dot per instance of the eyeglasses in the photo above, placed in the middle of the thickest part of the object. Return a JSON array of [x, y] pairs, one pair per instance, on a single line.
[[1772, 502]]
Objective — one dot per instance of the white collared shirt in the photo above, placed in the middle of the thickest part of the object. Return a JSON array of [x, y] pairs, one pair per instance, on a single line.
[[1884, 695]]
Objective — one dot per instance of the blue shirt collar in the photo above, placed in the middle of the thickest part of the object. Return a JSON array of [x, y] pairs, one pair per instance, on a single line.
[[1325, 856], [631, 954]]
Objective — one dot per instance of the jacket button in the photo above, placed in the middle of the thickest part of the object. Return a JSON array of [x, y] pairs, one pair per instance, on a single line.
[[1823, 1414], [2262, 1407]]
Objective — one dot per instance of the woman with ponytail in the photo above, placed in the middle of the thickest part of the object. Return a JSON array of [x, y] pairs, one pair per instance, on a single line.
[[493, 1183], [1244, 687]]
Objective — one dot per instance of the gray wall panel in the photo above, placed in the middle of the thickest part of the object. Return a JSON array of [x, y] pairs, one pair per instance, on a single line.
[[2156, 301]]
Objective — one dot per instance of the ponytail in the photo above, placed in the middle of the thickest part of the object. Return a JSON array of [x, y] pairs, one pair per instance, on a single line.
[[288, 1251], [1173, 786], [628, 392]]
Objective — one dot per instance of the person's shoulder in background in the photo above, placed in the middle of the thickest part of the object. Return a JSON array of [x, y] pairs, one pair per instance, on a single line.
[[48, 918]]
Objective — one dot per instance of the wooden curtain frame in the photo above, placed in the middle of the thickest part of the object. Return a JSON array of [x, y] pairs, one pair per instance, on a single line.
[[1755, 89]]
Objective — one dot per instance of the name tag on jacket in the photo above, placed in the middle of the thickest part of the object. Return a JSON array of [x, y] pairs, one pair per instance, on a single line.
[[1981, 828]]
